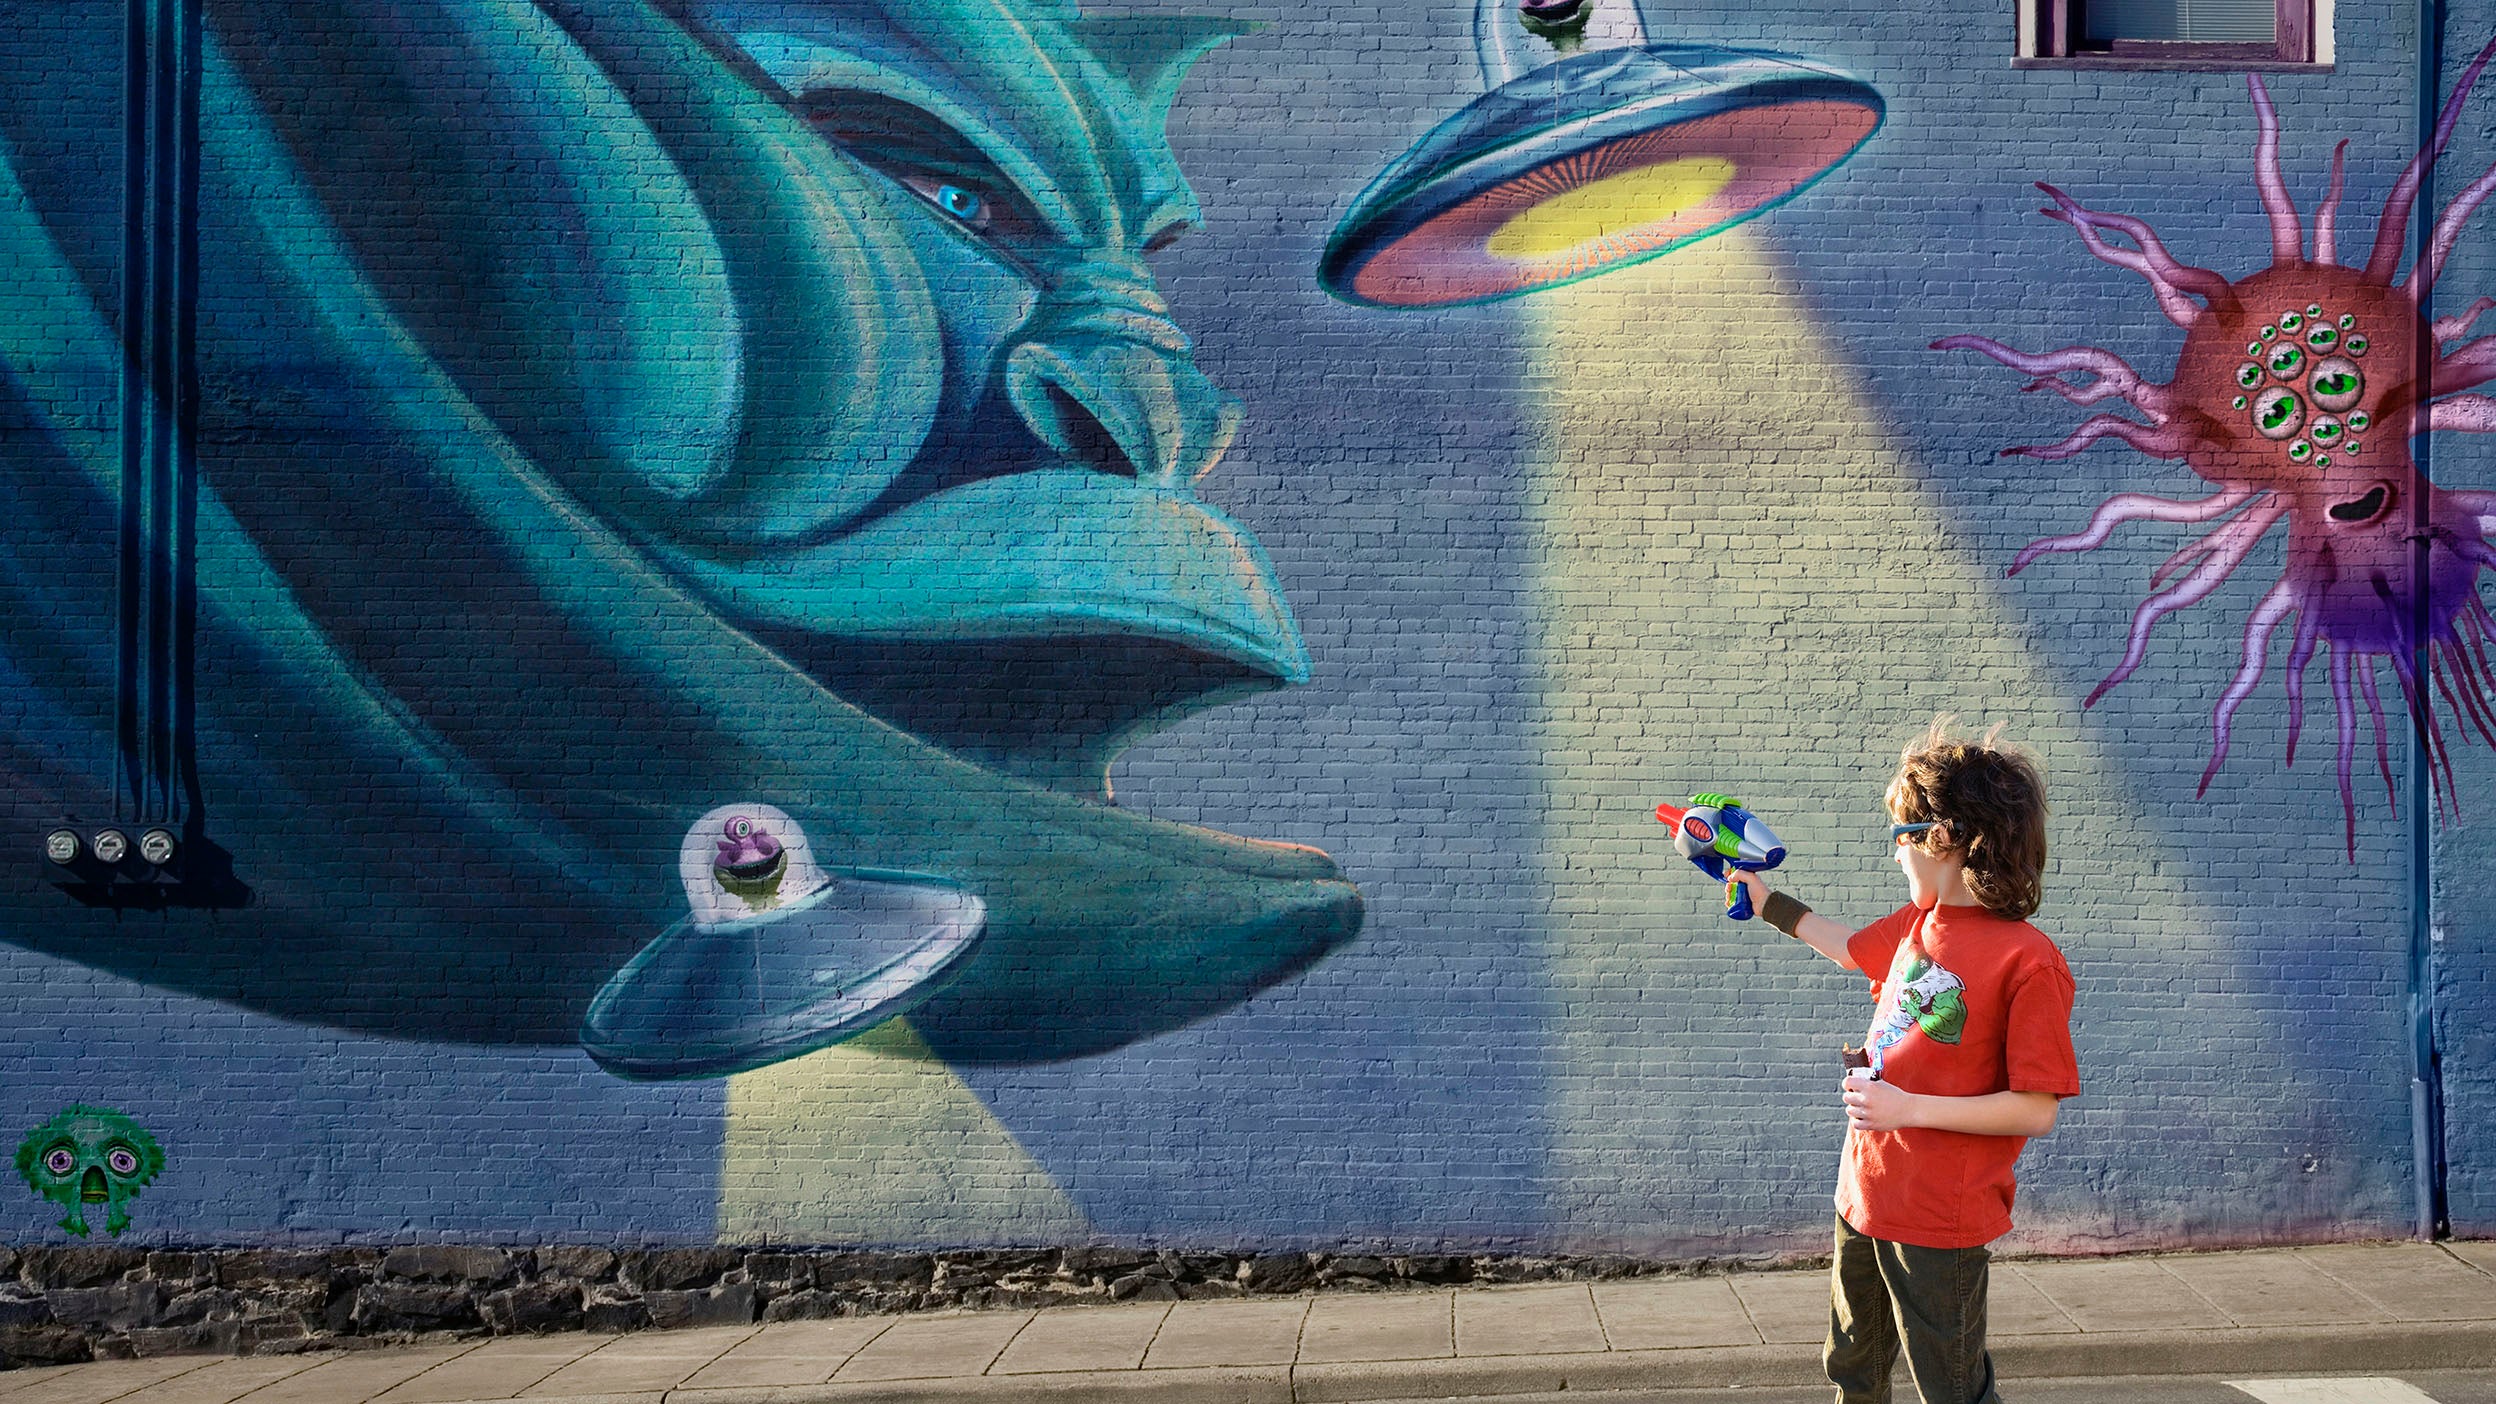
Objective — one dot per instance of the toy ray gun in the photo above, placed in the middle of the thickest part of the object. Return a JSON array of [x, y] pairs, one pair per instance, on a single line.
[[1716, 833]]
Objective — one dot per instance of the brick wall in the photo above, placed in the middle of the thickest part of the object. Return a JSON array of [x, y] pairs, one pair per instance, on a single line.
[[548, 410]]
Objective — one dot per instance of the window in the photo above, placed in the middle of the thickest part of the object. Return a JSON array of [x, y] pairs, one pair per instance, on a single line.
[[2174, 33]]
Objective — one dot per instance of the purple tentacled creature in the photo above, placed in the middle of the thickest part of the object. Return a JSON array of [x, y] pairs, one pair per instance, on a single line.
[[2296, 394]]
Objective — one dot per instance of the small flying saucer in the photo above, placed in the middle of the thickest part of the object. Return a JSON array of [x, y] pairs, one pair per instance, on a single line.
[[779, 957], [1600, 158]]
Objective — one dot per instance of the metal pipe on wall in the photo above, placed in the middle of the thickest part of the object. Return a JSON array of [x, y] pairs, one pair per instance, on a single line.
[[2426, 1083]]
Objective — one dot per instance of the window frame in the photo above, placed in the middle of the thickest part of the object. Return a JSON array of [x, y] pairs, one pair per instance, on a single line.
[[2051, 30]]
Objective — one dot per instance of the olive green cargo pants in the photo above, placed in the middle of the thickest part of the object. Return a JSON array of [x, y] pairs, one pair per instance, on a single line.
[[1934, 1298]]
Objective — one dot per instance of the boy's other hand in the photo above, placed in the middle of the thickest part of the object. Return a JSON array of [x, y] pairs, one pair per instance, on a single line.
[[1873, 1105]]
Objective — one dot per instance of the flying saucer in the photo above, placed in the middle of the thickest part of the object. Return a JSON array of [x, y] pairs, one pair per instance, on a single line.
[[1613, 151], [779, 957]]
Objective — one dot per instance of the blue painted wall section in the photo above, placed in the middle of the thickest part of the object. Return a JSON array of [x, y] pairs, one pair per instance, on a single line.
[[1192, 578]]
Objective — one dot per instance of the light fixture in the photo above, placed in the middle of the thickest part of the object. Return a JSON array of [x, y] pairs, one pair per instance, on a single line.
[[1592, 149]]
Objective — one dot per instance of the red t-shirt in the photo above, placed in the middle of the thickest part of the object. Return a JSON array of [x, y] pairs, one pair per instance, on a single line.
[[1965, 1003]]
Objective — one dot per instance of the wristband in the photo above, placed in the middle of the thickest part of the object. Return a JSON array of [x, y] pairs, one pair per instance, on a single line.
[[1783, 913]]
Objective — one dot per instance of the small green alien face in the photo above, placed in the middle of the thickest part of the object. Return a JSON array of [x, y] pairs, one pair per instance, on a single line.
[[89, 1155]]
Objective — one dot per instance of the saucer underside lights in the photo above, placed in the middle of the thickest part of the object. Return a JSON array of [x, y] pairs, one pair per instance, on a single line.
[[1595, 161]]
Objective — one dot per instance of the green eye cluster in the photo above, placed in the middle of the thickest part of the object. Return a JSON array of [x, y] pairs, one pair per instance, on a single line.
[[2280, 366]]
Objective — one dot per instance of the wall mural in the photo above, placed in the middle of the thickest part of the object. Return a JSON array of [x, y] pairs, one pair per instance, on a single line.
[[2296, 393], [87, 1156], [1591, 149], [647, 454]]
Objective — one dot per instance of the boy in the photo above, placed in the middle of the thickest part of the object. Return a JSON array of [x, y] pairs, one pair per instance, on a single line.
[[1970, 1054]]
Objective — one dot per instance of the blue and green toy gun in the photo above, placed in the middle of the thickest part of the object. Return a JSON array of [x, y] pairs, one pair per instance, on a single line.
[[1722, 838]]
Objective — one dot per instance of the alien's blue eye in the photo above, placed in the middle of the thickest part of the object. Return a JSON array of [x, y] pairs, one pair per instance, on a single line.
[[60, 1160], [122, 1160], [964, 205]]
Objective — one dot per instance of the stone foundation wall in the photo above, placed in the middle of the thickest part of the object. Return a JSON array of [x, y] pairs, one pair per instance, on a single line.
[[60, 1305]]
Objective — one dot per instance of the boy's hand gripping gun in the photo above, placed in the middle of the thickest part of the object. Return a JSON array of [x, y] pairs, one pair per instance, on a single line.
[[1722, 838]]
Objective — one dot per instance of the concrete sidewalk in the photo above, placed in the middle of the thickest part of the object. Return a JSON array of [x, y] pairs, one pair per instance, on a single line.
[[2350, 1307]]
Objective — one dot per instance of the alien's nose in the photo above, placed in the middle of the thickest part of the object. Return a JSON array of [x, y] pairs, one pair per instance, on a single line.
[[1121, 406]]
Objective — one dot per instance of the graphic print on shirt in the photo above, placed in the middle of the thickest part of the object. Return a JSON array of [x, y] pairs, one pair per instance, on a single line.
[[1922, 994]]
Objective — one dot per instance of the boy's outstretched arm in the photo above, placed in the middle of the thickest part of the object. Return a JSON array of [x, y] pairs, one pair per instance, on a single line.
[[1878, 1106], [1827, 937]]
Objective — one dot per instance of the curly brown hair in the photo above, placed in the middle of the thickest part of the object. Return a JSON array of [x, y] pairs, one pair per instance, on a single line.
[[1990, 803]]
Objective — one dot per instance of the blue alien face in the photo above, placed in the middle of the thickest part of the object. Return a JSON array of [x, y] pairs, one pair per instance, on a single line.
[[755, 401]]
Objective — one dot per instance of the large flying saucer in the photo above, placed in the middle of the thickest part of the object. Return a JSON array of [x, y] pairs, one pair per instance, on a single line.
[[1601, 158]]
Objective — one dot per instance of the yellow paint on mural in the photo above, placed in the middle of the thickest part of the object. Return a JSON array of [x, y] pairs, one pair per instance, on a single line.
[[1744, 586], [1615, 205], [877, 1142]]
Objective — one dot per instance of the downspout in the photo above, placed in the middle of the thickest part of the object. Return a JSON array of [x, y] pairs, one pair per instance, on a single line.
[[156, 780], [2426, 1078]]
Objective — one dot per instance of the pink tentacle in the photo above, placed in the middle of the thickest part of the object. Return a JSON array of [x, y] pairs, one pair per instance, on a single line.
[[2114, 376], [2383, 732], [2171, 300], [2438, 755], [2275, 607], [2447, 789], [2463, 698], [2463, 414], [2158, 441], [2481, 626], [2346, 711], [2481, 505], [2448, 233], [2299, 654], [2184, 555], [2287, 235], [2132, 507], [2471, 649], [2327, 218], [2201, 282], [2167, 278], [2230, 545], [2466, 365], [2393, 227], [2456, 326], [2149, 400]]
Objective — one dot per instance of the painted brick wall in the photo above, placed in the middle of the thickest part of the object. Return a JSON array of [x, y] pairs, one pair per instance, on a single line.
[[526, 360]]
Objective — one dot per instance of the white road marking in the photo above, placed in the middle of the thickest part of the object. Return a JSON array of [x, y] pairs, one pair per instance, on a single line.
[[2363, 1389]]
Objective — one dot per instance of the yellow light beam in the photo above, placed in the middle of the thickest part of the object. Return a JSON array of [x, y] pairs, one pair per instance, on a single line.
[[1743, 586], [877, 1142]]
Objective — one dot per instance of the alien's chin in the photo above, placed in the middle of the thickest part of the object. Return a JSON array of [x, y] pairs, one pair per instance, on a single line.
[[1036, 623], [1051, 711]]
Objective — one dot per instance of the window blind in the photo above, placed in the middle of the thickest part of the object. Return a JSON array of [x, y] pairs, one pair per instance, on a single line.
[[2202, 21]]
